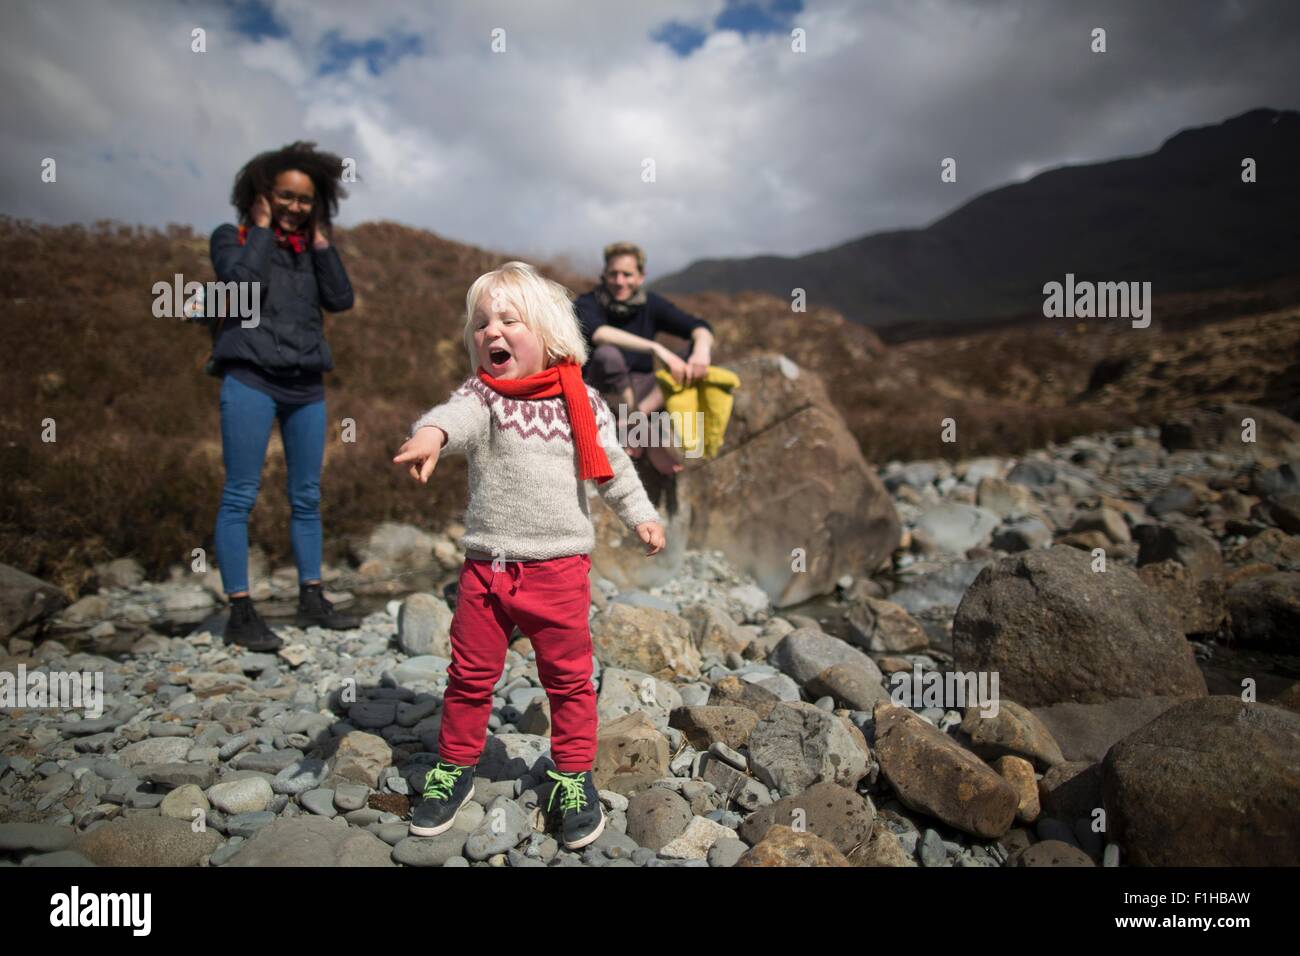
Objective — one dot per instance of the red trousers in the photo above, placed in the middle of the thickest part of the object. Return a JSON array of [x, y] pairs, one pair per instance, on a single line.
[[549, 601]]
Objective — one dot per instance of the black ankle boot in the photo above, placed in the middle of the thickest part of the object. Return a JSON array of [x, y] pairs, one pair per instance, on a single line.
[[315, 610], [247, 629]]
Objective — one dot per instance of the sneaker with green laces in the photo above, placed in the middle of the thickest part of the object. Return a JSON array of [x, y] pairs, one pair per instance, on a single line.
[[447, 788], [579, 804]]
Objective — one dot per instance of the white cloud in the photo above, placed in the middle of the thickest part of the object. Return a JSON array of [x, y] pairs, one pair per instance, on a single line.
[[758, 149]]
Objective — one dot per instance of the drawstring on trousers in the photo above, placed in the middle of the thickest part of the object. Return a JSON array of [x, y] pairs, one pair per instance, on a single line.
[[514, 572]]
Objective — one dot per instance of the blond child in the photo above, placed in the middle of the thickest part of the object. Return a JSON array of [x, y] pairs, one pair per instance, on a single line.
[[533, 434]]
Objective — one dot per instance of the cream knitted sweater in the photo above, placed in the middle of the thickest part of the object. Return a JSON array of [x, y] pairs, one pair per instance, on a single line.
[[526, 501]]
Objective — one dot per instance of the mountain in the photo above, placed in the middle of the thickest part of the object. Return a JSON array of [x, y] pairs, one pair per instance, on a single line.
[[1180, 218]]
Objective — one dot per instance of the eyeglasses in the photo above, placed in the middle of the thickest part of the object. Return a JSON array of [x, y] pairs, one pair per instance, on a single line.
[[289, 198]]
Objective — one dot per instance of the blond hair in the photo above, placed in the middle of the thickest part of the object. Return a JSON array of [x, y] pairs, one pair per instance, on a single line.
[[544, 305]]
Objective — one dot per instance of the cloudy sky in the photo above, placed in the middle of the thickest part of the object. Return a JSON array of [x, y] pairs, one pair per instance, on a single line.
[[538, 150]]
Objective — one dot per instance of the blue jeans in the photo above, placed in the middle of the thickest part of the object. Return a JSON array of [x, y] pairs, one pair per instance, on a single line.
[[246, 419]]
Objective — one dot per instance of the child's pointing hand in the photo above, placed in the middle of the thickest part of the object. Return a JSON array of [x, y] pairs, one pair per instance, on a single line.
[[652, 533], [422, 448]]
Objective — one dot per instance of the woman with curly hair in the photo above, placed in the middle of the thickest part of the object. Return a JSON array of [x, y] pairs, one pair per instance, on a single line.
[[271, 368]]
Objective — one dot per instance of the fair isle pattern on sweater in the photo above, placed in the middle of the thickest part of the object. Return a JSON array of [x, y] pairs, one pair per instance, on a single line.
[[526, 501], [546, 419]]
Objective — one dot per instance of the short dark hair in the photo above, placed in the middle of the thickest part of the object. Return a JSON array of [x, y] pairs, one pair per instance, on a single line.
[[325, 170], [616, 249]]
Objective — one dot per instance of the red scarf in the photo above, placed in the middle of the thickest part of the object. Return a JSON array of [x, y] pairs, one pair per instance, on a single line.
[[293, 240], [563, 378]]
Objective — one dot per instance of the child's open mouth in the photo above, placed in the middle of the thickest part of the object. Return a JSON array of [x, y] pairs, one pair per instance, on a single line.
[[499, 358]]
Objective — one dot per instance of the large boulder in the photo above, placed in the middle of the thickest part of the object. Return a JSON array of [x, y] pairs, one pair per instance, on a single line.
[[790, 476], [1210, 782], [1054, 629]]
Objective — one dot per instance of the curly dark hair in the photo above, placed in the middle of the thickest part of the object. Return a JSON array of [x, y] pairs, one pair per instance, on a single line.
[[258, 178]]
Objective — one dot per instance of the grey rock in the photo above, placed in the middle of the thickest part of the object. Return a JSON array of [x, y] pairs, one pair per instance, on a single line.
[[248, 795], [504, 825], [426, 668], [798, 745], [423, 623], [319, 801], [431, 851], [272, 762], [300, 776], [933, 851], [507, 756], [246, 824], [153, 751], [221, 856], [351, 796], [955, 527], [373, 714], [804, 653], [725, 853]]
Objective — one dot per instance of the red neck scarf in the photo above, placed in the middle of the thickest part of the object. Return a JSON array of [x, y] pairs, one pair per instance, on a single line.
[[297, 241], [563, 378]]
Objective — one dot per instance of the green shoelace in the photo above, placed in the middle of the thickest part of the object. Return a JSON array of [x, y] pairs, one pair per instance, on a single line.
[[438, 783], [574, 798]]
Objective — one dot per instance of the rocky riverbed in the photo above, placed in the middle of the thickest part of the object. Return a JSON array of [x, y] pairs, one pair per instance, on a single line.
[[1101, 580]]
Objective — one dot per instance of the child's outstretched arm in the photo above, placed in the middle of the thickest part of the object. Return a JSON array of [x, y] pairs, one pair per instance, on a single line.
[[624, 493], [453, 427]]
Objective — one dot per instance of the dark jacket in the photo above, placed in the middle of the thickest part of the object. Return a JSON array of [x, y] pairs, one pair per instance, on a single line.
[[290, 335], [657, 315]]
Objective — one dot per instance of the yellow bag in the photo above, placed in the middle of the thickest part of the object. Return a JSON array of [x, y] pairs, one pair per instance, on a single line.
[[710, 396]]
